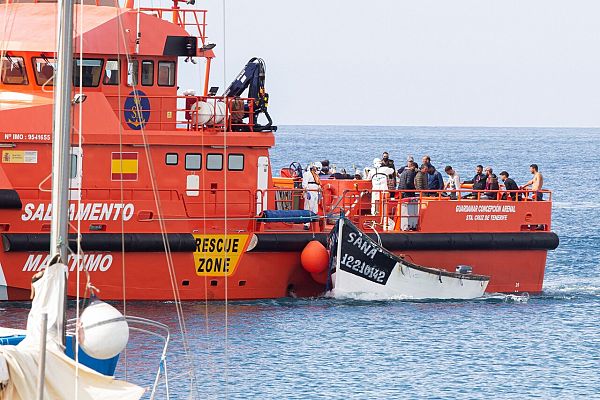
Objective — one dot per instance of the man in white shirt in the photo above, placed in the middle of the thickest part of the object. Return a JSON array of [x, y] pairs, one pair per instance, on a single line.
[[453, 182]]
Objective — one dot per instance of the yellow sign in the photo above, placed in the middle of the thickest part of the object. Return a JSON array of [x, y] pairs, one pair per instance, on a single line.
[[19, 157], [218, 255]]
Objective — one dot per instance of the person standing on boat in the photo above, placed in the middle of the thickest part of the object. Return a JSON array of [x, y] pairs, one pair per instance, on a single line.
[[406, 180], [409, 161], [434, 180], [386, 161], [536, 183], [378, 176], [453, 182], [311, 183], [509, 185], [421, 178], [478, 181]]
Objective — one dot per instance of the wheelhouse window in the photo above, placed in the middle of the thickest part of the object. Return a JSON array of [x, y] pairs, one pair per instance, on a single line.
[[147, 73], [214, 162], [193, 161], [13, 71], [91, 71], [166, 73], [235, 162], [111, 73], [43, 69], [133, 68], [172, 159]]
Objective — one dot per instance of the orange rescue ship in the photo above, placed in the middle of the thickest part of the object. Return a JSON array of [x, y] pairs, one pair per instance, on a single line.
[[184, 180]]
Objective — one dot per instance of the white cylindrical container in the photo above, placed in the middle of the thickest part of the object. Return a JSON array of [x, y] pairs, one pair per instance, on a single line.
[[104, 330]]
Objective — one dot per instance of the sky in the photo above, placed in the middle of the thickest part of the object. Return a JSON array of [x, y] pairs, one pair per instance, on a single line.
[[418, 62]]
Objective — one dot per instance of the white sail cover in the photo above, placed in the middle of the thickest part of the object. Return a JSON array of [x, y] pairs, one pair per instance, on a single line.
[[21, 361]]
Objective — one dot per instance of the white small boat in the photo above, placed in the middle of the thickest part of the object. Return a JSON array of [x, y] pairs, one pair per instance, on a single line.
[[359, 265]]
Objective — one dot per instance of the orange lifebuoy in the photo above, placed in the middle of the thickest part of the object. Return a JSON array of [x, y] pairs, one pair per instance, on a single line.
[[328, 194]]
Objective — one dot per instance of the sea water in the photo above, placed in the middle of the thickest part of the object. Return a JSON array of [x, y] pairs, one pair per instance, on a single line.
[[502, 346]]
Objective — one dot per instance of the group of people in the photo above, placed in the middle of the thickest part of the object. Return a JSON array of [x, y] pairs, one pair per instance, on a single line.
[[412, 177]]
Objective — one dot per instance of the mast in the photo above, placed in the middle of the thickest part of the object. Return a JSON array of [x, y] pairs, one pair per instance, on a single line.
[[61, 131]]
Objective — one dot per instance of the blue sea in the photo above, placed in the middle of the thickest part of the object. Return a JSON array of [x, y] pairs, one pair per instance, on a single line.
[[500, 347]]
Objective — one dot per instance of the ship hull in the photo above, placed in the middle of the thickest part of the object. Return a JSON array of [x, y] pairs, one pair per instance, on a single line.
[[258, 275]]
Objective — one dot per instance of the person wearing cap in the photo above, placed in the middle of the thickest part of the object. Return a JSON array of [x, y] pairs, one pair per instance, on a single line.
[[378, 176], [435, 181], [409, 161], [311, 183], [509, 185]]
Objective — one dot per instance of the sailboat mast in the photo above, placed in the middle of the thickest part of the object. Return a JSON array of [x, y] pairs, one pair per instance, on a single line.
[[61, 131]]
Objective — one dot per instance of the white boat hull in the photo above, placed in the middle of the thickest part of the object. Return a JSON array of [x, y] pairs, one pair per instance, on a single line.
[[408, 283], [361, 266]]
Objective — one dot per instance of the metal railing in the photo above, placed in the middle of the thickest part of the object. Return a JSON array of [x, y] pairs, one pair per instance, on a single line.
[[185, 18], [192, 113]]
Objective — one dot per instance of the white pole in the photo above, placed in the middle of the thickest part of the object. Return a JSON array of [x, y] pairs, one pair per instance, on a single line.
[[42, 365]]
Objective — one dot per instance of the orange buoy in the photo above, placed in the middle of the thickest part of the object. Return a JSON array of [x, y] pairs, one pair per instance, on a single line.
[[314, 257], [320, 277]]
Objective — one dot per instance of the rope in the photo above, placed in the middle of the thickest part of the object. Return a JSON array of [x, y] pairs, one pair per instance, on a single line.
[[168, 254]]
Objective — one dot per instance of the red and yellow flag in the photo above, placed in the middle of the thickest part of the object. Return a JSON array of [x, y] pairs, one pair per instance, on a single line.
[[124, 167]]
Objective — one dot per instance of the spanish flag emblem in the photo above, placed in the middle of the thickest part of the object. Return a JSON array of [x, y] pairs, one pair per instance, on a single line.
[[124, 166]]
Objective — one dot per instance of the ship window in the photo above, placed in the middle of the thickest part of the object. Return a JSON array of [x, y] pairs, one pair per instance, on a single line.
[[43, 69], [235, 162], [214, 162], [13, 71], [111, 73], [132, 72], [91, 71], [147, 73], [166, 73], [171, 159], [193, 161], [73, 166]]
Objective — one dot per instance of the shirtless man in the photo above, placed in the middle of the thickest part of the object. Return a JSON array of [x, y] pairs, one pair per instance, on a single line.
[[536, 183]]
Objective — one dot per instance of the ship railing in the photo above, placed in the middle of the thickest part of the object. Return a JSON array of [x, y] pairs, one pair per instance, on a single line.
[[192, 113], [403, 209], [150, 328], [193, 21]]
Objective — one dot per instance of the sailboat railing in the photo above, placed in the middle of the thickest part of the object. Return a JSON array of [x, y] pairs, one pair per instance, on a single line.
[[150, 327]]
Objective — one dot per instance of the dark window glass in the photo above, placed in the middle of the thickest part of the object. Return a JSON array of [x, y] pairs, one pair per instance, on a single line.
[[111, 73], [91, 71], [147, 73], [214, 162], [193, 162], [235, 162], [171, 159], [166, 73], [43, 69], [13, 71]]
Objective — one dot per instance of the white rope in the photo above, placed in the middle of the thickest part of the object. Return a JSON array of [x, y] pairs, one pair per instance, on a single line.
[[225, 161], [168, 255]]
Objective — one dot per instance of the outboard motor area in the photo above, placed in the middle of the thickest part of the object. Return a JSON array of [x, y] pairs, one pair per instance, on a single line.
[[252, 77]]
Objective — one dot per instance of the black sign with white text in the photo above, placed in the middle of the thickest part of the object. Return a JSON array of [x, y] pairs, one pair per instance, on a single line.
[[361, 256]]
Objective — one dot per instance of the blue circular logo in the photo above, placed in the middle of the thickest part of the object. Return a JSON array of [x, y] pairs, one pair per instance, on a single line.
[[137, 110]]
